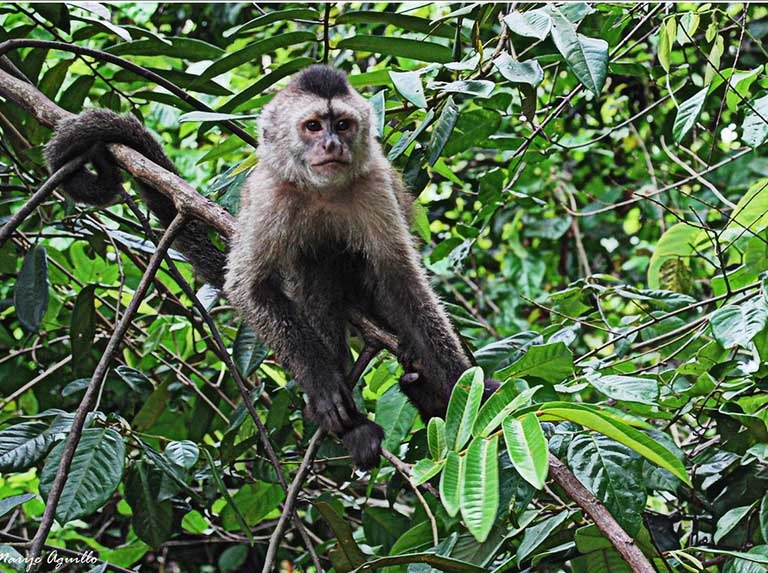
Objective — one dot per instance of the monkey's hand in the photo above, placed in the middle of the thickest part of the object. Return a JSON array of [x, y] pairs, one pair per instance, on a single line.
[[364, 444], [335, 411], [433, 402]]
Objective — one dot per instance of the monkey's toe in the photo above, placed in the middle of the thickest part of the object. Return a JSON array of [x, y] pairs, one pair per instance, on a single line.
[[364, 444]]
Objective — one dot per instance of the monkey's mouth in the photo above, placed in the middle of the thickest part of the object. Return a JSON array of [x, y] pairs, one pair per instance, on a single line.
[[330, 162]]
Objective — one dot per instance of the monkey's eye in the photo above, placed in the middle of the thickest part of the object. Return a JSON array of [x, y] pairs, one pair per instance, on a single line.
[[343, 125], [313, 125]]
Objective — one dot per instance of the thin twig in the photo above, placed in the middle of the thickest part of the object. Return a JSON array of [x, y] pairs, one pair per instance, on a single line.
[[99, 374], [41, 195]]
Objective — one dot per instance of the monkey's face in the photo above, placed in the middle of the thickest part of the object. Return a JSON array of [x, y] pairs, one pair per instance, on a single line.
[[328, 141]]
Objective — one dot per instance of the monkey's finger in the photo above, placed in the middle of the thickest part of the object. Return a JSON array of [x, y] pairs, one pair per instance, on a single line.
[[409, 378]]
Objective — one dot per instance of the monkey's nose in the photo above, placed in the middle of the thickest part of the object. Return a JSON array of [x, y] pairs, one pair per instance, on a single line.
[[332, 146]]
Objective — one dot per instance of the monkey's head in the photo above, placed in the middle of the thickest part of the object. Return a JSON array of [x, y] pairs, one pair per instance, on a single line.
[[316, 133]]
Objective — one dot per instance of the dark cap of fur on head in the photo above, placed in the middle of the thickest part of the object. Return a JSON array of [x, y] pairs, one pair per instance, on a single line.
[[323, 81]]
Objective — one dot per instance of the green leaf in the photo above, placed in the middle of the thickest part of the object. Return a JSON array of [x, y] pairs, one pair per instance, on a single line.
[[755, 125], [400, 47], [476, 88], [14, 501], [586, 57], [83, 326], [627, 388], [614, 473], [678, 242], [255, 50], [442, 130], [499, 405], [248, 351], [472, 128], [424, 470], [408, 85], [22, 445], [349, 554], [255, 501], [480, 486], [550, 362], [203, 116], [30, 296], [531, 23], [438, 562], [687, 114], [272, 17], [463, 408], [751, 212], [94, 474], [528, 72], [395, 414], [667, 33], [184, 453], [737, 325], [591, 417], [438, 444], [763, 517], [152, 519], [383, 526], [730, 520], [401, 21], [535, 535], [153, 408], [183, 48], [527, 448], [379, 103], [450, 486], [260, 85]]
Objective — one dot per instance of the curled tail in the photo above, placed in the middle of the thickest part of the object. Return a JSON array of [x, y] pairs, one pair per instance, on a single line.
[[90, 132]]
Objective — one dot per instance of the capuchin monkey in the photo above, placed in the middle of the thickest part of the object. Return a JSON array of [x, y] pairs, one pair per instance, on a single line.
[[323, 227]]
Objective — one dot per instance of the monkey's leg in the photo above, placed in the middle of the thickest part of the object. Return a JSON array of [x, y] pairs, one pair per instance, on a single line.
[[301, 350]]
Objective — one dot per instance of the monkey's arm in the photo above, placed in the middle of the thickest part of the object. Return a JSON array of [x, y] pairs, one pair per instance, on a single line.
[[90, 132], [300, 350]]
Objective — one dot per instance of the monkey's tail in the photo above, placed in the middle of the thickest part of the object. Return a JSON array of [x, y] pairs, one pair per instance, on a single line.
[[91, 131]]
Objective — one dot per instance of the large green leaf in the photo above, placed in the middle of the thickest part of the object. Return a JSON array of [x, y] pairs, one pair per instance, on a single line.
[[680, 241], [152, 519], [591, 417], [537, 534], [255, 501], [755, 126], [531, 23], [401, 47], [687, 114], [550, 362], [22, 445], [347, 554], [408, 85], [395, 414], [83, 325], [442, 130], [480, 486], [736, 325], [436, 439], [248, 350], [255, 50], [401, 21], [627, 388], [527, 448], [272, 17], [527, 72], [383, 526], [94, 474], [438, 563], [184, 48], [502, 402], [586, 57], [450, 483], [614, 473], [463, 408], [750, 216], [424, 470], [30, 296]]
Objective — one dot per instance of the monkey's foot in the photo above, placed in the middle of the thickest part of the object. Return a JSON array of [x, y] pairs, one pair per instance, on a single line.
[[364, 444]]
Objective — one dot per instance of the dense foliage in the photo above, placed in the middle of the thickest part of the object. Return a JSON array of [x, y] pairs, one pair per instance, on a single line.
[[593, 204]]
